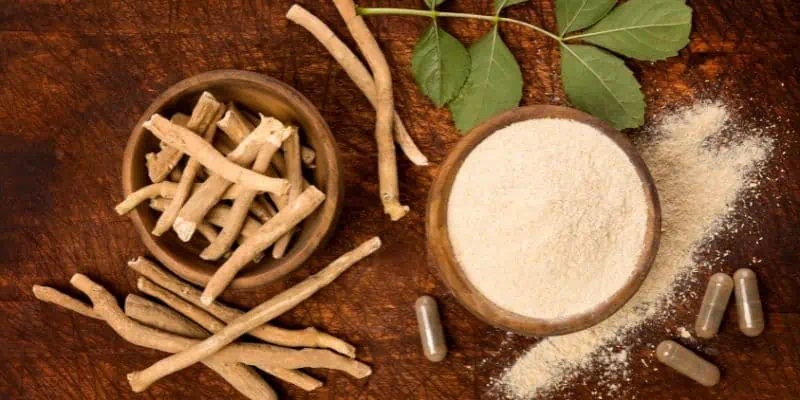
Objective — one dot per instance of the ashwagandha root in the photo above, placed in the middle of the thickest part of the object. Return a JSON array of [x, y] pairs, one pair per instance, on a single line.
[[176, 323], [161, 164], [238, 213], [160, 317], [262, 210], [216, 217], [50, 295], [262, 356], [197, 148], [167, 190], [237, 127], [267, 235], [307, 154], [199, 123], [208, 231], [240, 376], [268, 310], [357, 72], [269, 209], [309, 337], [387, 159], [321, 358], [212, 189], [294, 174]]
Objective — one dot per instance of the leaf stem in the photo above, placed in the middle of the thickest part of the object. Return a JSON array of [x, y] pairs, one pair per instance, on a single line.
[[444, 14], [531, 26]]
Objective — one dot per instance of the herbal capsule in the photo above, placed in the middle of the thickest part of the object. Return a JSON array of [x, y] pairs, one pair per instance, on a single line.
[[748, 302], [715, 301], [430, 329], [687, 363]]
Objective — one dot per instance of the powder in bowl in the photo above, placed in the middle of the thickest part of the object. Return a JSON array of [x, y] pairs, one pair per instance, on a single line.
[[547, 218]]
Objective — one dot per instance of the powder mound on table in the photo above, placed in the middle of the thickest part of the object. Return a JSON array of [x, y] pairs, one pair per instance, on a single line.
[[702, 164], [547, 217]]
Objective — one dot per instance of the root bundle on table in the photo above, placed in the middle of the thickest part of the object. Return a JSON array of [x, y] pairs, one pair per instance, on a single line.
[[208, 334]]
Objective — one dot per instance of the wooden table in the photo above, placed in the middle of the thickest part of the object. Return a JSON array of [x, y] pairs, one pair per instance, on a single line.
[[75, 77]]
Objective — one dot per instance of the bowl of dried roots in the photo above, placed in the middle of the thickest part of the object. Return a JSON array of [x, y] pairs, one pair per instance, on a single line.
[[232, 179]]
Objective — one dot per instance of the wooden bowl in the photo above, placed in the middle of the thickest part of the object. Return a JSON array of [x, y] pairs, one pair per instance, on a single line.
[[453, 275], [261, 94]]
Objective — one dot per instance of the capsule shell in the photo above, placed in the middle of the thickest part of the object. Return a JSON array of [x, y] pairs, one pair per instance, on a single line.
[[715, 301], [748, 302], [430, 329], [687, 363]]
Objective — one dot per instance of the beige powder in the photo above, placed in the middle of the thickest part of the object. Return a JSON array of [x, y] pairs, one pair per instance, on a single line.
[[547, 218], [700, 178]]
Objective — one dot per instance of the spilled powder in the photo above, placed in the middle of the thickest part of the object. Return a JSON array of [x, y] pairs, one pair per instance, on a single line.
[[702, 164], [547, 217]]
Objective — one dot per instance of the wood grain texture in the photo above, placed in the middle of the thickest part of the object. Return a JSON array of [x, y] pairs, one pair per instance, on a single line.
[[75, 76]]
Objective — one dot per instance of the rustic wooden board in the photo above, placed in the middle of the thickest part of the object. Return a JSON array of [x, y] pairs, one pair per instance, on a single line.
[[75, 76]]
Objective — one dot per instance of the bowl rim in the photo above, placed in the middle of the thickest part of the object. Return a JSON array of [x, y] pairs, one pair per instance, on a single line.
[[451, 273], [330, 209]]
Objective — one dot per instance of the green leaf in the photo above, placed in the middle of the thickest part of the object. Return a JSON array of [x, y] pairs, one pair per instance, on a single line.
[[433, 3], [599, 83], [440, 65], [574, 15], [494, 83], [644, 29], [501, 4]]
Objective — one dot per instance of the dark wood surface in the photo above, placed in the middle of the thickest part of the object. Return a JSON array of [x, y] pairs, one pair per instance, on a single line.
[[75, 76]]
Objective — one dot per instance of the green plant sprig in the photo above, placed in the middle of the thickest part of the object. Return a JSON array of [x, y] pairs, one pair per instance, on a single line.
[[486, 79]]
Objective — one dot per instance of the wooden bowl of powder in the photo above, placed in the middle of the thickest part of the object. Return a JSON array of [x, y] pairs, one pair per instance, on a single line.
[[543, 220]]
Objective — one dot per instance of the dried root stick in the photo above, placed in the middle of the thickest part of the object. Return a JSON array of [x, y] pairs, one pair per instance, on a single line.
[[159, 317], [265, 357], [236, 126], [199, 122], [309, 337], [262, 210], [387, 159], [357, 72], [240, 376], [213, 188], [167, 190], [189, 143], [307, 153], [238, 213], [297, 378], [307, 156], [161, 164], [307, 358], [215, 217], [50, 295], [244, 379], [294, 174], [208, 231], [268, 234], [268, 310], [143, 313]]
